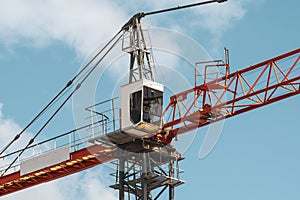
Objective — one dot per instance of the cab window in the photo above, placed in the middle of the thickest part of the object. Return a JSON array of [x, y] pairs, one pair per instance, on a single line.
[[135, 106], [152, 105]]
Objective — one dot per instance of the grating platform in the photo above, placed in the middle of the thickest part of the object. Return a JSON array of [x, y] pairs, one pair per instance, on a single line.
[[153, 181], [130, 143]]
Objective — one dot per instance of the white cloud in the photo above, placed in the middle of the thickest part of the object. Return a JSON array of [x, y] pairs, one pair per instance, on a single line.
[[8, 130], [7, 127], [219, 18], [83, 25]]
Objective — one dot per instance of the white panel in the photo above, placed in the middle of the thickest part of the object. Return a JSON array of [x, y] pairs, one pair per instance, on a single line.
[[154, 85], [126, 90], [45, 160]]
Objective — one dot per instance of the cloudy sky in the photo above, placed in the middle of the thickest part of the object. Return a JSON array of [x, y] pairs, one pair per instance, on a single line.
[[44, 43]]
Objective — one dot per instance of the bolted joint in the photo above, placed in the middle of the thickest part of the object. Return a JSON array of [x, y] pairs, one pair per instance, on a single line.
[[17, 137], [31, 141], [69, 83], [78, 86], [132, 20]]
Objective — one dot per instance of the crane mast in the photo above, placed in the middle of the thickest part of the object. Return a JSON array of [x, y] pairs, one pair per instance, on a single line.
[[134, 43], [147, 164]]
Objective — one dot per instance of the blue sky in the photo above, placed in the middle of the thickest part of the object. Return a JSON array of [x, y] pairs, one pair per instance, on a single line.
[[42, 45]]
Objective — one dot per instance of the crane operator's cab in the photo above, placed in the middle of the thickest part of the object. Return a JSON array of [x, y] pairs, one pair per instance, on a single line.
[[141, 107]]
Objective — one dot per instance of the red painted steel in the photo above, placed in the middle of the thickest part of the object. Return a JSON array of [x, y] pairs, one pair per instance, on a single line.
[[250, 88], [79, 160]]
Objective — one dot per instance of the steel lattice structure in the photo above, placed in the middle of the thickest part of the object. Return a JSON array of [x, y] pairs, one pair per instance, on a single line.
[[149, 162], [250, 88], [253, 87]]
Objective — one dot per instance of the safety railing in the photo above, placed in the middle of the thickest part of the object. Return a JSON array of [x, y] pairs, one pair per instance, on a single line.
[[104, 118], [71, 139], [106, 114]]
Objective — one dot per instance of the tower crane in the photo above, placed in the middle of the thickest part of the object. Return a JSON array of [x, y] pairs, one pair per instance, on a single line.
[[147, 164]]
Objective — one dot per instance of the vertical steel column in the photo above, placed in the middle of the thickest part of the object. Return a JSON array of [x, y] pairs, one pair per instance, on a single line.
[[121, 178], [171, 187], [145, 170], [147, 175]]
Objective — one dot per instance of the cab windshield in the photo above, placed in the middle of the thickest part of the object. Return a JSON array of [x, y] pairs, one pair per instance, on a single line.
[[152, 105]]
